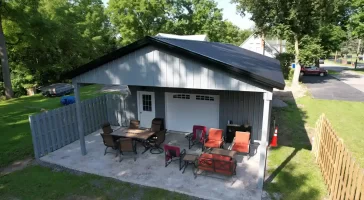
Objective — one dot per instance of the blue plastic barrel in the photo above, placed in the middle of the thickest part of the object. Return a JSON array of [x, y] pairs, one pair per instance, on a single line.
[[67, 100]]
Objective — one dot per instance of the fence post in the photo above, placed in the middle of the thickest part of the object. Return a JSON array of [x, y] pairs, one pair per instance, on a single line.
[[318, 138], [34, 138], [79, 118]]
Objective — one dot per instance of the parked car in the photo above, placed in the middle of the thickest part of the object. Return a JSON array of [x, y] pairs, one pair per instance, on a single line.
[[313, 70], [57, 89], [322, 61]]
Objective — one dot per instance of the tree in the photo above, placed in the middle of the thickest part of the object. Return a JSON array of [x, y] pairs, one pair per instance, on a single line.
[[4, 57], [357, 24], [48, 38], [191, 17], [136, 19], [262, 15], [331, 38], [233, 34], [293, 20]]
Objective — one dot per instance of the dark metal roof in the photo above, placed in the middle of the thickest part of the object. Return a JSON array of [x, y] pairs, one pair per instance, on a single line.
[[229, 58]]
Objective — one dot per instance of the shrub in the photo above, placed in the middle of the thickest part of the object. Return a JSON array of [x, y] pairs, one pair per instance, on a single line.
[[286, 60]]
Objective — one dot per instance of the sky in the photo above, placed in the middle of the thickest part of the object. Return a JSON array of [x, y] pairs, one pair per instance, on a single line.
[[229, 12]]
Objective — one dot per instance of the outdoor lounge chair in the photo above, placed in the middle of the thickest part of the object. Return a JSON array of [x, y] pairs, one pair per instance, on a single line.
[[173, 153], [156, 142], [241, 142], [214, 139], [198, 135], [127, 145], [109, 142], [134, 124]]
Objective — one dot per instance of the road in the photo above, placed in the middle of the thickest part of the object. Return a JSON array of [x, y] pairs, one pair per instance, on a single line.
[[345, 86]]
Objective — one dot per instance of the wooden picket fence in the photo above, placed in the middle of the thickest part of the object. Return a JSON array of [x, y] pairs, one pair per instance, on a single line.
[[343, 176]]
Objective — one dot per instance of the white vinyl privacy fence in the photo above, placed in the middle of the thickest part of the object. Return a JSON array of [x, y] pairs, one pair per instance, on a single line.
[[56, 128]]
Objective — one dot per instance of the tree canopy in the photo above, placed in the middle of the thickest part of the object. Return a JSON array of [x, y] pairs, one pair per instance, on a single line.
[[134, 20], [315, 27], [45, 39]]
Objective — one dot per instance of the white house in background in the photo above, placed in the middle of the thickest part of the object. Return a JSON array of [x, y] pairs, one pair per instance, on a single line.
[[184, 37], [273, 46]]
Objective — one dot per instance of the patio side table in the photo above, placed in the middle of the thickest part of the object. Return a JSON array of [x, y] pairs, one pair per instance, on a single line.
[[189, 159]]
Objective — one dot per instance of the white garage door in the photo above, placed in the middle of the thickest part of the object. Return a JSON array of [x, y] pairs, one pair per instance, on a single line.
[[185, 110]]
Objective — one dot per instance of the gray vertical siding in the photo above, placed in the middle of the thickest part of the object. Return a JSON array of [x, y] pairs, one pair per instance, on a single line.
[[240, 107], [155, 67], [56, 128]]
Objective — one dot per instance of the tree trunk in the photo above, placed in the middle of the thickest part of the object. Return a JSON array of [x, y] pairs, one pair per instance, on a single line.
[[263, 43], [5, 64], [357, 54], [280, 45], [297, 70], [335, 56], [317, 63]]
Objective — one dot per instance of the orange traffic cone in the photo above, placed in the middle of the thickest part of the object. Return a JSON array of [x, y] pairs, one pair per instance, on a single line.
[[274, 142]]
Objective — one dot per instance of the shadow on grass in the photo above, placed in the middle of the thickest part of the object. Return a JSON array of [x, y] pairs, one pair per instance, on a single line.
[[291, 165]]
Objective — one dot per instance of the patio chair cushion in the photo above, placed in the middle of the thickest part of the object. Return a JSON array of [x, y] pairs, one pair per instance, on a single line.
[[241, 142], [213, 143], [243, 148], [215, 134], [221, 157]]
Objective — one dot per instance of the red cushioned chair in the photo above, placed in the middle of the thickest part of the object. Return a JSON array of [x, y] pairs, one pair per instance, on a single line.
[[214, 139], [173, 153], [241, 142], [198, 135]]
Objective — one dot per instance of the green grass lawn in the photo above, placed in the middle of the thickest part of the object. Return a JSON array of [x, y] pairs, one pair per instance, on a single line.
[[292, 166], [36, 182], [331, 72], [15, 137], [346, 118]]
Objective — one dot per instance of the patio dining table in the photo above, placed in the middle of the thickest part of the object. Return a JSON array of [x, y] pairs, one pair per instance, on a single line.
[[137, 134]]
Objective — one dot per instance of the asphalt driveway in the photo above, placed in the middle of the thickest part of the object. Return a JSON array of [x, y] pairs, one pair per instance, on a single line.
[[331, 88]]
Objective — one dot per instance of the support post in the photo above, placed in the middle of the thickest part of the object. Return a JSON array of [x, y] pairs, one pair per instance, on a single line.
[[264, 138], [79, 118]]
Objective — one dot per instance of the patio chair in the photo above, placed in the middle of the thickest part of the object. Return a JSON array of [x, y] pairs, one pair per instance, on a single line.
[[156, 142], [127, 145], [241, 142], [173, 153], [134, 124], [214, 139], [157, 124], [197, 136], [109, 142], [106, 128]]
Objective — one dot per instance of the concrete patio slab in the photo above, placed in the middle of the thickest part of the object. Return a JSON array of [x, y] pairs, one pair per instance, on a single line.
[[149, 169]]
